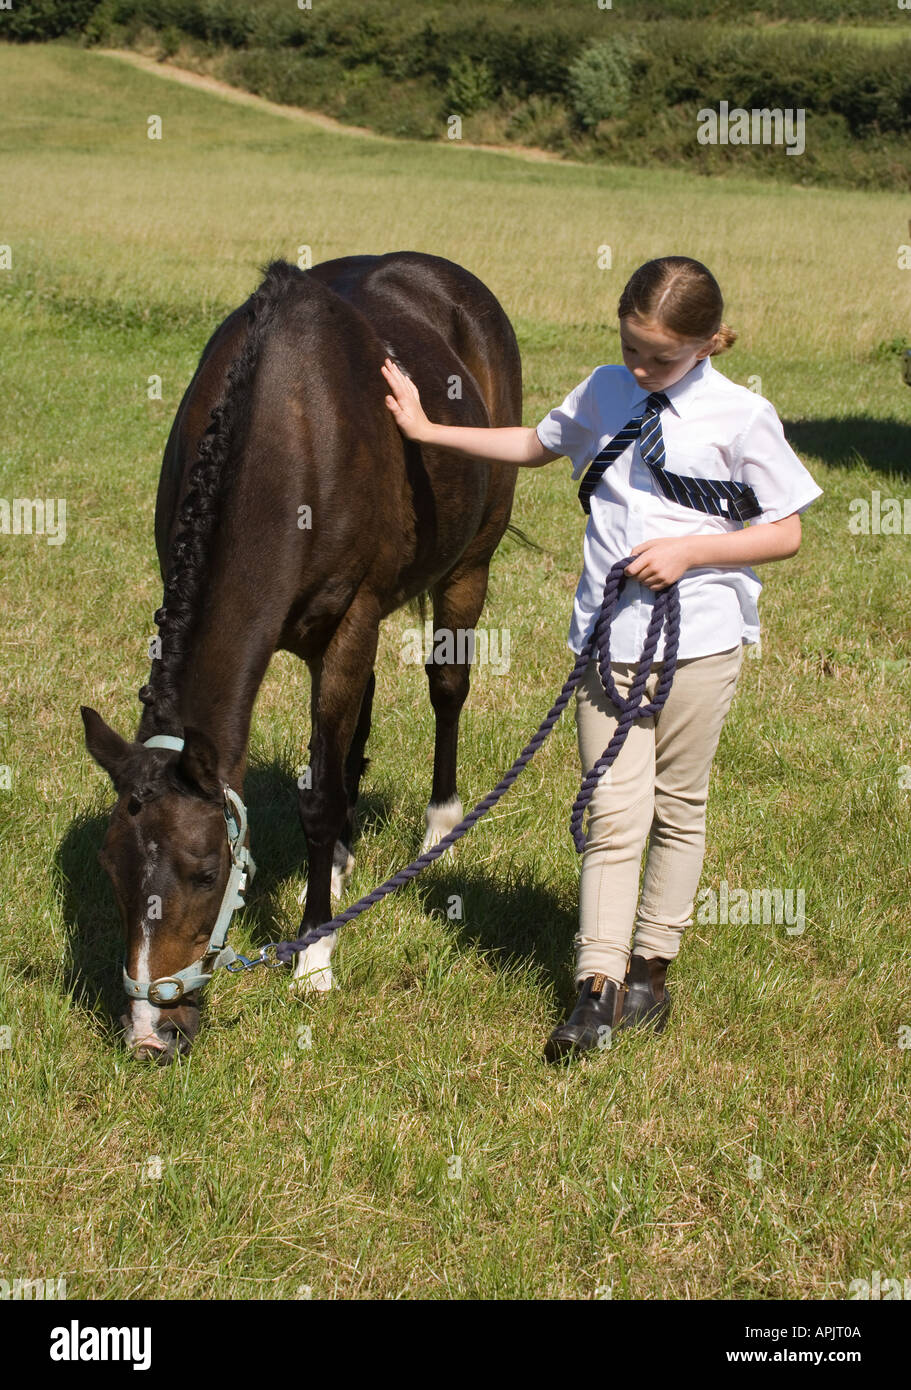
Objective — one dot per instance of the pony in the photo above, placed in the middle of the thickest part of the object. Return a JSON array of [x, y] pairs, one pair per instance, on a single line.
[[292, 514]]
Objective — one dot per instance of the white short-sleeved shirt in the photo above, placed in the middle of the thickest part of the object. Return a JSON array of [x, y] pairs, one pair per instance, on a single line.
[[712, 429]]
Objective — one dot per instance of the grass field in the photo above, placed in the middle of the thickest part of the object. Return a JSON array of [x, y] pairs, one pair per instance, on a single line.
[[261, 1167]]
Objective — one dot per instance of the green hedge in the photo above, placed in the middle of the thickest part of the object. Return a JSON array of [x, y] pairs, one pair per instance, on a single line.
[[593, 80], [278, 22], [526, 51], [532, 52], [32, 20]]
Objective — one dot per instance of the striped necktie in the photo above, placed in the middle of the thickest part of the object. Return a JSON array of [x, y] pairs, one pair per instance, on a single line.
[[735, 501]]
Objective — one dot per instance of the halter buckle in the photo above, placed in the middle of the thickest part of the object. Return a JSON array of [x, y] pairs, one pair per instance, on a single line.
[[166, 983]]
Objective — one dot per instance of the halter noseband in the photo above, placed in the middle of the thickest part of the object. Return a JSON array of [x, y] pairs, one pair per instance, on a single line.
[[171, 988]]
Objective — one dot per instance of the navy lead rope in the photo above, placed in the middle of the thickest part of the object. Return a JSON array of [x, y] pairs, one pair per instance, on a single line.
[[666, 611]]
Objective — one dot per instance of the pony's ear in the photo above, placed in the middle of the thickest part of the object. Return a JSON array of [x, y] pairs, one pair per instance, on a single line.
[[198, 763], [108, 749]]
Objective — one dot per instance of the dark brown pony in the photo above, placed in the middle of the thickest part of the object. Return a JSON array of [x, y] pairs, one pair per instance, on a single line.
[[292, 514]]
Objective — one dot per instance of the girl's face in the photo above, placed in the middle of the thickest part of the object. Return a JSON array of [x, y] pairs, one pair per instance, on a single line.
[[655, 356]]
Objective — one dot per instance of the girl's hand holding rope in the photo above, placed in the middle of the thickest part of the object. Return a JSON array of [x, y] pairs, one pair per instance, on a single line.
[[661, 562]]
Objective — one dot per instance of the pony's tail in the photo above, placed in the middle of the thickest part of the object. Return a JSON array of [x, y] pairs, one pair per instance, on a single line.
[[522, 538], [206, 484]]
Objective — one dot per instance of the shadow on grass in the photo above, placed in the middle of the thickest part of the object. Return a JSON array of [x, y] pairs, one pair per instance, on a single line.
[[514, 918], [883, 444]]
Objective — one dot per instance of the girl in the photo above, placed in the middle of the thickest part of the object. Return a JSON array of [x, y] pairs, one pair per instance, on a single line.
[[683, 458]]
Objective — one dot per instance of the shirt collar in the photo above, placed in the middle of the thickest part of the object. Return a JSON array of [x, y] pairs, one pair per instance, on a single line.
[[684, 392]]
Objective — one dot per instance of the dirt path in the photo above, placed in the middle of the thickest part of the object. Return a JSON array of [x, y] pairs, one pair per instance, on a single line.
[[205, 83]]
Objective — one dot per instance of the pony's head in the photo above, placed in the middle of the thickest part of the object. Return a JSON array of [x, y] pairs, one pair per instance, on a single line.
[[168, 857]]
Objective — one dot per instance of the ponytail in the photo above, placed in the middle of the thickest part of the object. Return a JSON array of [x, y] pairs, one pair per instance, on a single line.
[[726, 338]]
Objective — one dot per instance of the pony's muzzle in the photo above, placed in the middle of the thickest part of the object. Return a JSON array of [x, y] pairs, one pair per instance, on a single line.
[[170, 1035]]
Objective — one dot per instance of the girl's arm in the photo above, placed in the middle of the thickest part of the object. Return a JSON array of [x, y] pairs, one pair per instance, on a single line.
[[513, 444], [661, 562]]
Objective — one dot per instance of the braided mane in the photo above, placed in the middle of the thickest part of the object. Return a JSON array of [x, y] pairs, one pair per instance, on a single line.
[[207, 484]]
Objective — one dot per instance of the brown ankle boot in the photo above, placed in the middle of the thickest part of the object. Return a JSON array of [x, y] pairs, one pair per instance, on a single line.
[[647, 1002], [597, 1012]]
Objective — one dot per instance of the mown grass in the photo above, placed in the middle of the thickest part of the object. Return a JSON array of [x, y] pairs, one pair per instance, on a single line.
[[289, 1170]]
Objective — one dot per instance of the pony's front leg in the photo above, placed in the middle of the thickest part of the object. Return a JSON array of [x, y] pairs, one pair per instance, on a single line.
[[312, 967]]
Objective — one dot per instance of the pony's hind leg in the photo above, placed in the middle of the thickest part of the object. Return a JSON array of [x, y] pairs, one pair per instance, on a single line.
[[457, 604], [355, 767]]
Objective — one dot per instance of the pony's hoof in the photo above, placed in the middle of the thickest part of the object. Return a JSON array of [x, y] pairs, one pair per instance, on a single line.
[[317, 982]]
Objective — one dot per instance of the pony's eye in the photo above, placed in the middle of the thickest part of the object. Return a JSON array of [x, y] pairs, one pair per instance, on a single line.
[[134, 806], [207, 879]]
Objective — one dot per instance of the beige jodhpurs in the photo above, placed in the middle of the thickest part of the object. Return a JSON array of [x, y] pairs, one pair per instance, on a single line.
[[656, 791]]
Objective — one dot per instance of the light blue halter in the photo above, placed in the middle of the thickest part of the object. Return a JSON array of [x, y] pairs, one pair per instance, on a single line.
[[170, 988]]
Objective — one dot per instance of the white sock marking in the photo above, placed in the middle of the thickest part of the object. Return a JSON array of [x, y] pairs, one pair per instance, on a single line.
[[440, 820], [312, 969]]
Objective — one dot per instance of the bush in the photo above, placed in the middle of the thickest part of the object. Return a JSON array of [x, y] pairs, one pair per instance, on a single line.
[[470, 86], [30, 21], [540, 120], [169, 41], [600, 82]]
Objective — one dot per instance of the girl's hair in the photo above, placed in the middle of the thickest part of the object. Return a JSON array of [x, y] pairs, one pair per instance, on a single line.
[[680, 294]]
